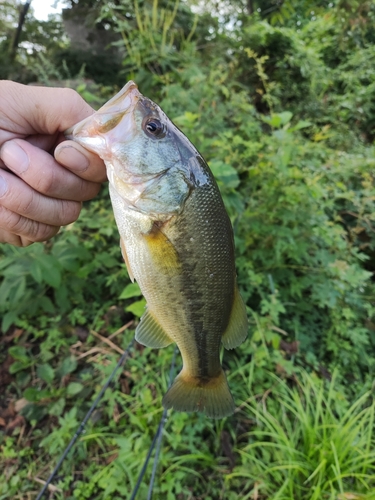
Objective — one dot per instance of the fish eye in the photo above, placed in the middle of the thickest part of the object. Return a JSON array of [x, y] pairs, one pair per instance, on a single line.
[[153, 128]]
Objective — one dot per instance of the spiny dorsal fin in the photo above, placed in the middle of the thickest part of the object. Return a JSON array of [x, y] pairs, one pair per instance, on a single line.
[[236, 331], [150, 333]]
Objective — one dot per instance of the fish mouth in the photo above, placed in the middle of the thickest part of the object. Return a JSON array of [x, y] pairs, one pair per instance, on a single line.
[[92, 132]]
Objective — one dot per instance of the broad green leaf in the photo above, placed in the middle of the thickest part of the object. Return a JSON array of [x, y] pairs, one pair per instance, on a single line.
[[68, 366], [131, 290], [19, 353], [18, 366], [46, 373], [51, 273], [57, 408], [300, 125], [74, 388], [137, 308], [8, 319], [36, 271], [225, 173], [31, 394]]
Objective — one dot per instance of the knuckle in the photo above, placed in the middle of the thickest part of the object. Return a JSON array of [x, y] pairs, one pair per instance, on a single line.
[[23, 202], [11, 220], [72, 97], [44, 232], [24, 231], [70, 211], [89, 190], [24, 242], [70, 94], [28, 205], [11, 238], [46, 183]]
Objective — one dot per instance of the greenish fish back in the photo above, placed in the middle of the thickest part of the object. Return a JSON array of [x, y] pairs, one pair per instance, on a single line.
[[236, 331], [209, 396]]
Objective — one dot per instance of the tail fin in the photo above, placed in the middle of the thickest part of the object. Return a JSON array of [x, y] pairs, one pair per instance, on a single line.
[[211, 397]]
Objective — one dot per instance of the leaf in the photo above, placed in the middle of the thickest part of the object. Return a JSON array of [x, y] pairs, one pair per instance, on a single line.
[[68, 366], [31, 394], [36, 271], [19, 353], [137, 308], [57, 408], [8, 319], [18, 366], [74, 388], [131, 290], [276, 120], [226, 173], [285, 117], [46, 373], [46, 304], [301, 124], [18, 290], [50, 270]]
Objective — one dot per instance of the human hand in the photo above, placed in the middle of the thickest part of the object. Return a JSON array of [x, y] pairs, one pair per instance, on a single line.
[[40, 192]]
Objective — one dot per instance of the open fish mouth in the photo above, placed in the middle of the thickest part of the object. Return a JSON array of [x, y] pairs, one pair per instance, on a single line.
[[92, 131]]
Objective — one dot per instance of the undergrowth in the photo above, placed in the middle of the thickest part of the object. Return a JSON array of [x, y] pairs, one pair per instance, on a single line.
[[282, 113]]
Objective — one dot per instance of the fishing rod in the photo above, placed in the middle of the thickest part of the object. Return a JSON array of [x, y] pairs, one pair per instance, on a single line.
[[156, 441]]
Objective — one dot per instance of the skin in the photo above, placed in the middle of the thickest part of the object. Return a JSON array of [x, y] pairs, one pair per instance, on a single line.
[[43, 178]]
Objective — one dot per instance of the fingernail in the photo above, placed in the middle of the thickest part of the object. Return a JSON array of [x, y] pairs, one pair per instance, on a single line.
[[72, 158], [3, 186], [14, 157]]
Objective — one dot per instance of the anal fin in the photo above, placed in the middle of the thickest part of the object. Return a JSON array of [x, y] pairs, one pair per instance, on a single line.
[[150, 333], [236, 331]]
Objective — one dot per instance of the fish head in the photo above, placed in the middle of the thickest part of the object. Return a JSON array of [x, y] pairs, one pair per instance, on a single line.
[[146, 155]]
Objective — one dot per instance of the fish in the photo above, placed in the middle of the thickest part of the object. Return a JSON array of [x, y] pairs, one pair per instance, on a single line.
[[177, 242]]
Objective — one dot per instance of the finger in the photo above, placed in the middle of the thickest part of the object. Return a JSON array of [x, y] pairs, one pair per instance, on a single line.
[[39, 110], [13, 239], [80, 161], [40, 171], [26, 229], [20, 198]]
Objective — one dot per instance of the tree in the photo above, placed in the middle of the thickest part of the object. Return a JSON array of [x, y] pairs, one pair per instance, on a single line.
[[23, 10]]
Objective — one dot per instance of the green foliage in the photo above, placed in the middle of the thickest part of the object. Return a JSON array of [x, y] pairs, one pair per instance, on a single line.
[[306, 445], [280, 105]]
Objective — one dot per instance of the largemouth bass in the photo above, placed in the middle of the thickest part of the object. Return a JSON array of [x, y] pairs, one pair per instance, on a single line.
[[177, 242]]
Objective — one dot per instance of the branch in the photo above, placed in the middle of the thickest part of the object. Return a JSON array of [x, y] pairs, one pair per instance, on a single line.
[[17, 35]]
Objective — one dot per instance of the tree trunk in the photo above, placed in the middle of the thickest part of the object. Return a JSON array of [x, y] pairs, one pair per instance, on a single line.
[[17, 35], [250, 7]]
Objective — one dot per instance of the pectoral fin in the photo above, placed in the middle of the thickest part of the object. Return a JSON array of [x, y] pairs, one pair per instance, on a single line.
[[150, 333], [125, 257], [163, 253], [236, 331]]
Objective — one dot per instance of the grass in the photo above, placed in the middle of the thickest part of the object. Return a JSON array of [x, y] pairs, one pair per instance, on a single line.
[[306, 445], [297, 439]]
